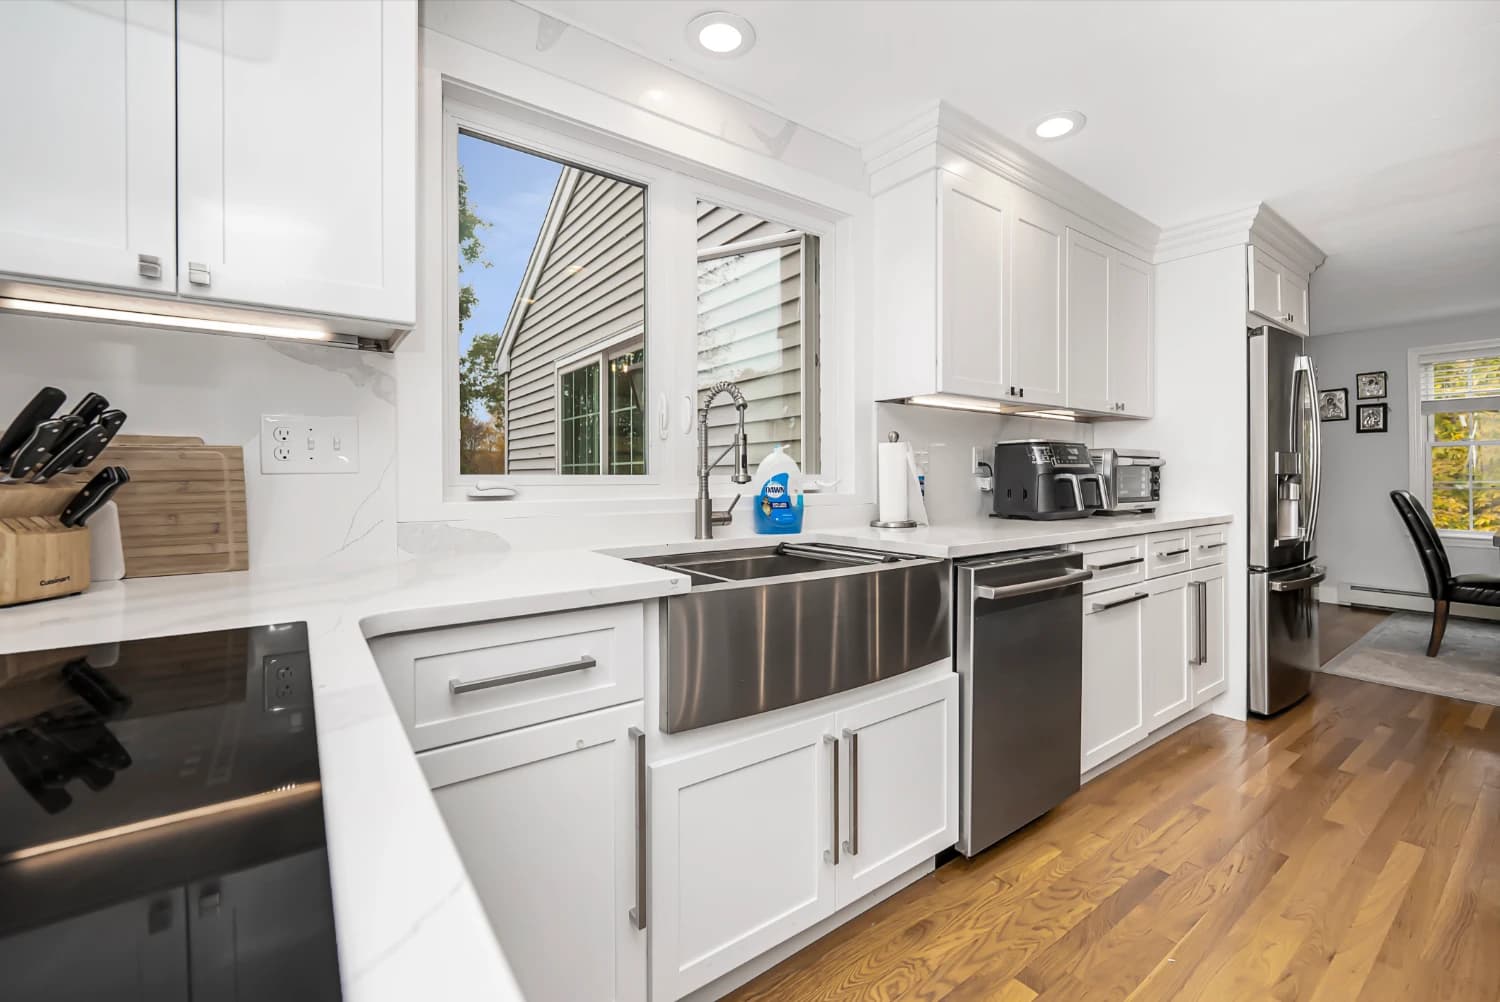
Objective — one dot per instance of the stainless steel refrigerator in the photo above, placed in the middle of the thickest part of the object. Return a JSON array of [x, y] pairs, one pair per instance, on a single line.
[[1286, 446]]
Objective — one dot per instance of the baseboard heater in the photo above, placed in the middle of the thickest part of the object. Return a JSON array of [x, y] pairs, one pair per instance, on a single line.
[[1374, 597]]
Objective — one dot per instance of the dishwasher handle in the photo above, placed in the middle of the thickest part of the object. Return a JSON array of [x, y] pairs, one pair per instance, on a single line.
[[992, 593]]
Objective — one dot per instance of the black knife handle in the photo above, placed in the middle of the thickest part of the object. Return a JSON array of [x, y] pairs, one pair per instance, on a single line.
[[41, 407], [90, 407]]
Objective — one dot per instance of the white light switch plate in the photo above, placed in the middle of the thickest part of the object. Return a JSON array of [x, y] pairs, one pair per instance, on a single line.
[[293, 443]]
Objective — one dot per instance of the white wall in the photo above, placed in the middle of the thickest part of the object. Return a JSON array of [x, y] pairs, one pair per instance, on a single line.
[[1360, 538], [217, 388], [949, 437], [1201, 395]]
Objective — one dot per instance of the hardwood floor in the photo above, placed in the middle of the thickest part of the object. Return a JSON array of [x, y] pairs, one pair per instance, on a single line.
[[1346, 851], [1339, 626]]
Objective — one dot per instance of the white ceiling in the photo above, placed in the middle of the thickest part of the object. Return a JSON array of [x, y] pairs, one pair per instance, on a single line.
[[1373, 127]]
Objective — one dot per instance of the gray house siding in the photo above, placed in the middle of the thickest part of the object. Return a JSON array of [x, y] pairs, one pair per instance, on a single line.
[[602, 230]]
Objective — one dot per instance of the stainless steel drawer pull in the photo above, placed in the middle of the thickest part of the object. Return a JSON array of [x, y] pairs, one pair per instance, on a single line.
[[458, 688], [638, 913], [1212, 546], [1118, 563], [832, 855], [852, 846], [1202, 589], [1101, 606], [993, 592], [1175, 553]]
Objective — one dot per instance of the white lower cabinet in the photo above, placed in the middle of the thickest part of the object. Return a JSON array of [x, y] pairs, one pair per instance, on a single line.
[[545, 821], [1164, 650], [1114, 632], [755, 840], [1207, 674]]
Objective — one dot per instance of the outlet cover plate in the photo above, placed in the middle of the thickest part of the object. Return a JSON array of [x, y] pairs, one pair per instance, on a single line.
[[295, 443], [287, 681]]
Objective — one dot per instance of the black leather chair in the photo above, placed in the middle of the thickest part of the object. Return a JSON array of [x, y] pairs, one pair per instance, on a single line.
[[1442, 584]]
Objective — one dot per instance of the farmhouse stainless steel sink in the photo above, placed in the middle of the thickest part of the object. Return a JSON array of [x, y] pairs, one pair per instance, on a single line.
[[768, 627]]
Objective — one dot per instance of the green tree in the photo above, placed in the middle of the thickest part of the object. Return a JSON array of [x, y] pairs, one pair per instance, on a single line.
[[481, 388]]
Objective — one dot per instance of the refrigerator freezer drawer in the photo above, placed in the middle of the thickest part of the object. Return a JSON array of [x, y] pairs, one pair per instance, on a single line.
[[1283, 636]]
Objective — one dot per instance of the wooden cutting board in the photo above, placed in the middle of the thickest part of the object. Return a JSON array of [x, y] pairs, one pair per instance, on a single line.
[[183, 511]]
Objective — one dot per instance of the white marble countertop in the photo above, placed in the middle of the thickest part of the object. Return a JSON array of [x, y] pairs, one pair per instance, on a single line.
[[408, 922]]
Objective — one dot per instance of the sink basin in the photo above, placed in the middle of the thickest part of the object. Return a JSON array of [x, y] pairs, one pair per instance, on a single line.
[[772, 626]]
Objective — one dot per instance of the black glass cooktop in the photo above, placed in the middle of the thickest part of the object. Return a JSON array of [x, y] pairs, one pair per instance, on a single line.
[[161, 822]]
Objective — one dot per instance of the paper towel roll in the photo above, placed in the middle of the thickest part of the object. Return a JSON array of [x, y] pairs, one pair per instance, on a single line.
[[894, 471]]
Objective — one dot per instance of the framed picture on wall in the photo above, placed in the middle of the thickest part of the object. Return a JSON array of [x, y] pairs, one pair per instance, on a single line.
[[1372, 417], [1369, 386], [1333, 405]]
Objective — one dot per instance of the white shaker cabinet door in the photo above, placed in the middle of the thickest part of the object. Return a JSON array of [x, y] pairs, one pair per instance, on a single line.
[[297, 155], [1164, 650], [971, 299], [1209, 677], [1035, 336], [546, 822], [900, 804], [1089, 357], [87, 178], [742, 854], [1132, 343], [1114, 715]]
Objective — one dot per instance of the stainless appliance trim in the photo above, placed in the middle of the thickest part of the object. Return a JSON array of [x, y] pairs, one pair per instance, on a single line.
[[991, 593], [1105, 606], [851, 846], [638, 913], [457, 688], [832, 855]]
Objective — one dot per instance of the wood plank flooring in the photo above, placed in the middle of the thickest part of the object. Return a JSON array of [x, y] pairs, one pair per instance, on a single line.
[[1346, 851]]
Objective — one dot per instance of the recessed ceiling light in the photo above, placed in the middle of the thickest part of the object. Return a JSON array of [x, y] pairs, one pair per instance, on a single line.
[[1064, 123], [721, 34]]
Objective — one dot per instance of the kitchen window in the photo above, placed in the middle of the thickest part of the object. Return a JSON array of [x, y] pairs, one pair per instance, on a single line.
[[1456, 437]]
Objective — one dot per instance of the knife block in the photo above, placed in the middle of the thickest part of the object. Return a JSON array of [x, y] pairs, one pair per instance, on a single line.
[[41, 558]]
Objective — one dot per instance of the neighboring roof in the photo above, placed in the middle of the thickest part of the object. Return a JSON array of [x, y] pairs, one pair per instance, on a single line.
[[562, 194]]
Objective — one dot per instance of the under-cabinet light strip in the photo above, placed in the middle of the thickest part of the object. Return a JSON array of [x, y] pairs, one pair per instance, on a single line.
[[109, 315]]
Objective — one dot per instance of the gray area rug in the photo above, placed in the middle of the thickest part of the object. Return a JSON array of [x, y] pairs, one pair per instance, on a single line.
[[1394, 653]]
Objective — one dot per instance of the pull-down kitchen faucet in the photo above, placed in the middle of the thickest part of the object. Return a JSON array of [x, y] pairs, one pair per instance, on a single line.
[[704, 516]]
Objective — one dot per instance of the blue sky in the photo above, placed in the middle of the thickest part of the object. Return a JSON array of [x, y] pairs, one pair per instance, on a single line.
[[510, 190]]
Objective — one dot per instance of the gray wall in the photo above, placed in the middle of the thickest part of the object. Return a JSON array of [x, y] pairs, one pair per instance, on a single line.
[[1360, 538]]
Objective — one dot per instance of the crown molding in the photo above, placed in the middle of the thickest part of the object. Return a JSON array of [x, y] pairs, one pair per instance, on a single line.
[[1256, 224], [942, 125]]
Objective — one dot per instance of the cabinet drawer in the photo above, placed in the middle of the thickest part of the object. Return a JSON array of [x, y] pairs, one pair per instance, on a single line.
[[1167, 553], [464, 682], [1209, 543], [1115, 562]]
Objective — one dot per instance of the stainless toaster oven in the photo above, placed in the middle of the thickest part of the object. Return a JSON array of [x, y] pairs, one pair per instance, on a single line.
[[1132, 478]]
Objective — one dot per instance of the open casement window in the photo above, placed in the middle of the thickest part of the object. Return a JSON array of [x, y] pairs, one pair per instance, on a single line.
[[758, 327], [1458, 412]]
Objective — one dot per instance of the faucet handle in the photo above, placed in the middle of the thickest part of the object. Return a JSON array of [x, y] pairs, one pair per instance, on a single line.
[[732, 504]]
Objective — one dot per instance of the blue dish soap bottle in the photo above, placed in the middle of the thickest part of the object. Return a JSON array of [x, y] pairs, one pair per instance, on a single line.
[[778, 494]]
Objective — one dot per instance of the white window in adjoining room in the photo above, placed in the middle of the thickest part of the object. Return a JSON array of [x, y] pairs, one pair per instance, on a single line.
[[1456, 437]]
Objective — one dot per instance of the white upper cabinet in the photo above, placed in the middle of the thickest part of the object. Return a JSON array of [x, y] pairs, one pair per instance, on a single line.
[[1277, 291], [296, 174], [1109, 342], [1034, 344], [87, 195], [971, 306]]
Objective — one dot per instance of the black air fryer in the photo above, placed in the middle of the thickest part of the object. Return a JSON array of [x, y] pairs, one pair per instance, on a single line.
[[1045, 480]]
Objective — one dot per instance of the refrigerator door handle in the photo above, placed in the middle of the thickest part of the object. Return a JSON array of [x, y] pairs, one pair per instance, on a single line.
[[1315, 490]]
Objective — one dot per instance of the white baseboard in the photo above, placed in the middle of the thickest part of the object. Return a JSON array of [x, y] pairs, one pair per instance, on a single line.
[[1397, 599], [746, 972]]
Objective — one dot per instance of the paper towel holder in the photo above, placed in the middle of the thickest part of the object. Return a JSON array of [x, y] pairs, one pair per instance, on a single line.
[[905, 523]]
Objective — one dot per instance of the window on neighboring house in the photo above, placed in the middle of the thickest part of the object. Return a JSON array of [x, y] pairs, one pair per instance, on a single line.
[[758, 318], [551, 286], [1457, 413]]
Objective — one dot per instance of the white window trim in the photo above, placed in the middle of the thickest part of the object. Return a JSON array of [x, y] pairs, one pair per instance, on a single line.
[[1420, 472]]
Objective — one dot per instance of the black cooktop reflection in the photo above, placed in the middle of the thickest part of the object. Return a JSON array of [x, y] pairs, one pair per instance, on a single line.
[[161, 822]]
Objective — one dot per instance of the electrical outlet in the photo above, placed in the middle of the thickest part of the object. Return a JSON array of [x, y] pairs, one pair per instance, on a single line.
[[291, 443], [287, 680]]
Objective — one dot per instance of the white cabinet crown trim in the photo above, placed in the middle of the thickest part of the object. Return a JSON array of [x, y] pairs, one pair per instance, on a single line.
[[1258, 224]]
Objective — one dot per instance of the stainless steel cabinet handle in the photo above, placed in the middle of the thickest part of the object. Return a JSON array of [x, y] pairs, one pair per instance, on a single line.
[[458, 688], [150, 265], [832, 855], [1118, 563], [1212, 546], [1202, 621], [852, 845], [638, 913], [993, 592], [1174, 553], [198, 273], [1102, 606]]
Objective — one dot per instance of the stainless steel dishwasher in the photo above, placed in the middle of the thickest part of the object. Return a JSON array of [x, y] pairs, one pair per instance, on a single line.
[[1018, 622]]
